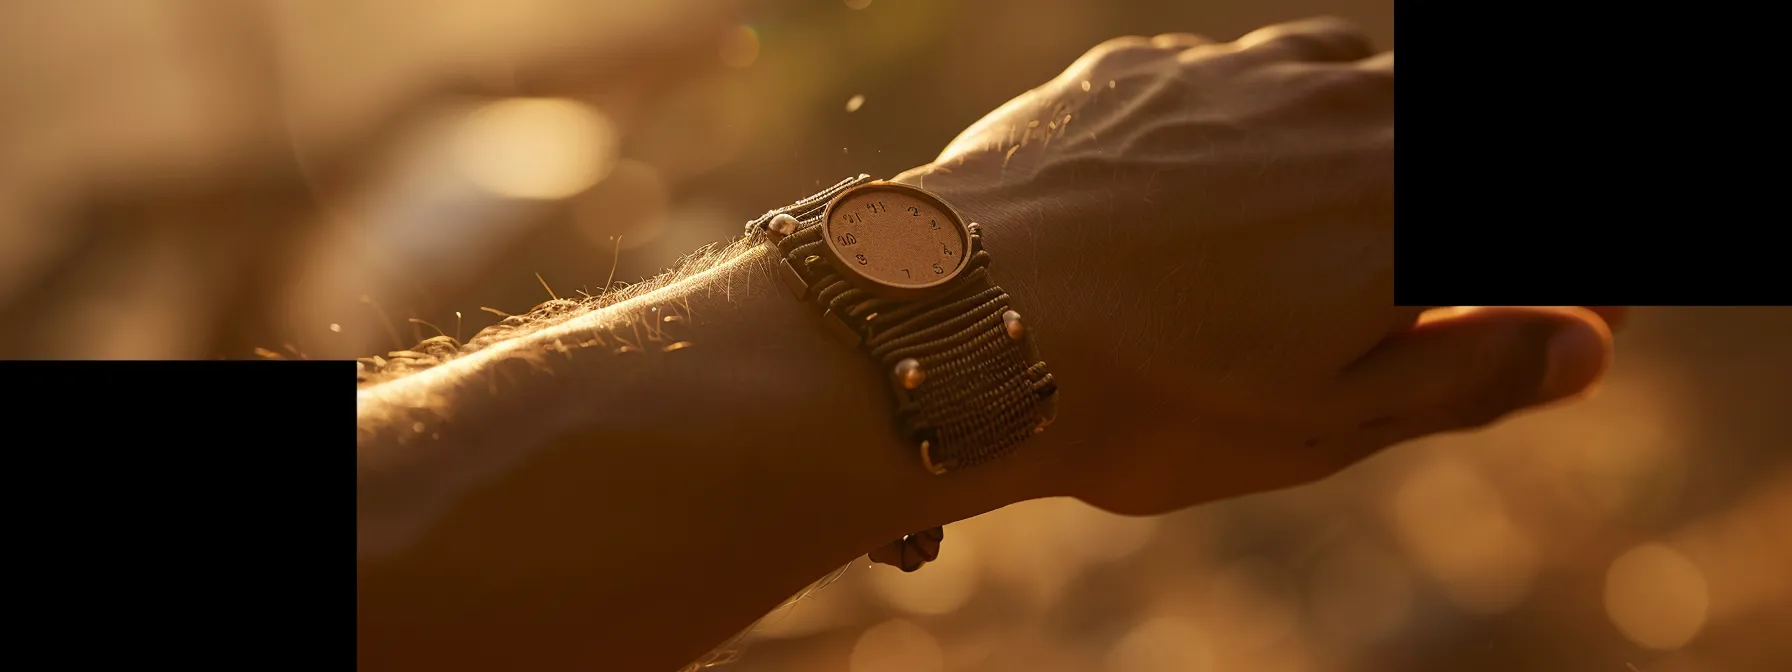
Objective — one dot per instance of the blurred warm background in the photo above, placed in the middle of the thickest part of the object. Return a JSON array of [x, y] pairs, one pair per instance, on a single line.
[[332, 179]]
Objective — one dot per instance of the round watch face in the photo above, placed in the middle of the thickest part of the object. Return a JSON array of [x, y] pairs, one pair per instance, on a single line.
[[898, 238]]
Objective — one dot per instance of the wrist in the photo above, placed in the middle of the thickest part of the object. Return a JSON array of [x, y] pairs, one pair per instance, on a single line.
[[1018, 229], [815, 405], [759, 383]]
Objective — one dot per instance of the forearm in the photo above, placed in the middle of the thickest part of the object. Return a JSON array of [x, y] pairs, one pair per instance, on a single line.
[[592, 494]]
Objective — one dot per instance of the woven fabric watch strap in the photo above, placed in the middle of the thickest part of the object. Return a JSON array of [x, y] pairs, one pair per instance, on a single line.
[[983, 388]]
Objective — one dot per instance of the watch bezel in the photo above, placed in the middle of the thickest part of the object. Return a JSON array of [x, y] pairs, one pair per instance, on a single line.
[[836, 258]]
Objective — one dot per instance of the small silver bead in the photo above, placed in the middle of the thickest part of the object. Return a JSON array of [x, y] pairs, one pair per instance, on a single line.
[[1011, 322], [909, 373], [781, 226]]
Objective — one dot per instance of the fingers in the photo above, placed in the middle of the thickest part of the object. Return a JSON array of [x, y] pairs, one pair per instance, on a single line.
[[1322, 39], [1122, 53], [1615, 316], [1381, 61], [1472, 367], [1180, 40]]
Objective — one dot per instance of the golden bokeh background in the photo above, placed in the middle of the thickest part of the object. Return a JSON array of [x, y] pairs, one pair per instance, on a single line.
[[330, 179]]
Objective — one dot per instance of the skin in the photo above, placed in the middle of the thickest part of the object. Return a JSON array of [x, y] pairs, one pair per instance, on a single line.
[[1213, 231], [1203, 252]]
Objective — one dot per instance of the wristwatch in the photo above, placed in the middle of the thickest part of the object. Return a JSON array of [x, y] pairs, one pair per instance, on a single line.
[[900, 276]]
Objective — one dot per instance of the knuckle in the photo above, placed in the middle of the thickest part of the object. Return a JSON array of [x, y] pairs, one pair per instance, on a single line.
[[1122, 44], [1332, 26], [1316, 39], [1123, 52], [1178, 40]]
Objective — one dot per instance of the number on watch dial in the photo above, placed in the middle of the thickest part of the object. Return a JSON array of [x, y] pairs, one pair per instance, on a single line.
[[896, 236]]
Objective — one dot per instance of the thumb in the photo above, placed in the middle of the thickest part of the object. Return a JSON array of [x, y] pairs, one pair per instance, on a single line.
[[1472, 367]]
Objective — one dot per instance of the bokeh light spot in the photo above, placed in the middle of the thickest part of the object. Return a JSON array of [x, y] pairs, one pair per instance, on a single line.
[[1254, 604], [1743, 552], [1162, 643], [1656, 596], [897, 645], [535, 148], [1457, 527], [858, 4], [740, 47], [854, 103], [1358, 592], [1044, 543]]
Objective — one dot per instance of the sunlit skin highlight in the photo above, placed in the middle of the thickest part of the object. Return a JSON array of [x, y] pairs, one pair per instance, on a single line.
[[520, 420], [409, 389], [1202, 251]]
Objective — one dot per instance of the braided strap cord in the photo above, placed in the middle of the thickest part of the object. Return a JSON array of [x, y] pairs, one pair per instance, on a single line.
[[986, 389], [809, 209]]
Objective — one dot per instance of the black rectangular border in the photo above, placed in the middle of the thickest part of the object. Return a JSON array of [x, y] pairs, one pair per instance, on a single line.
[[1548, 169], [188, 513]]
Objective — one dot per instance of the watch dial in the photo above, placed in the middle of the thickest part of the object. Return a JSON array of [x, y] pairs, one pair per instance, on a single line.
[[896, 237]]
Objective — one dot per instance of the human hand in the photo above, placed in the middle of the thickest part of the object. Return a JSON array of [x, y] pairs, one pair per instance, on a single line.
[[1201, 236]]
